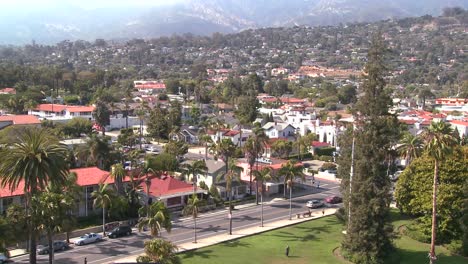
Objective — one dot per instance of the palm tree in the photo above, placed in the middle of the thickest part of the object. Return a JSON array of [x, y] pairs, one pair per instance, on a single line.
[[262, 176], [50, 210], [233, 174], [159, 251], [34, 159], [159, 217], [410, 148], [291, 170], [103, 199], [260, 141], [71, 190], [438, 144], [192, 208], [250, 152], [96, 150], [205, 140], [118, 174], [224, 148], [197, 167]]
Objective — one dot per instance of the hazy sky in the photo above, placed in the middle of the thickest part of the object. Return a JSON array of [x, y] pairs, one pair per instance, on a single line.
[[87, 4]]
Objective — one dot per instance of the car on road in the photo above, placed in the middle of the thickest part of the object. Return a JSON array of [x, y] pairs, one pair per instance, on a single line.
[[333, 199], [3, 258], [120, 231], [88, 238], [57, 246], [314, 204], [152, 150]]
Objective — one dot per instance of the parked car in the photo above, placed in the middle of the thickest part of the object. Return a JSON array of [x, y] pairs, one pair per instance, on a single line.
[[3, 258], [57, 246], [120, 231], [314, 204], [88, 238], [396, 175], [333, 199]]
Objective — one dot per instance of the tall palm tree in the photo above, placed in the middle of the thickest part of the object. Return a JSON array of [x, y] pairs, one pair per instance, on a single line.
[[193, 170], [159, 217], [261, 176], [205, 140], [232, 175], [103, 199], [438, 144], [159, 251], [35, 159], [410, 148], [224, 148], [50, 210], [118, 174], [291, 170], [260, 141], [250, 152], [192, 208]]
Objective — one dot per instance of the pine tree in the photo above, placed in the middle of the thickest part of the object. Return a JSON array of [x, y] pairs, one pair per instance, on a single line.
[[369, 233]]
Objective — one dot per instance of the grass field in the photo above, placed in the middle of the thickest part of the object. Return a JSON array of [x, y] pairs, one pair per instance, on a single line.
[[309, 242]]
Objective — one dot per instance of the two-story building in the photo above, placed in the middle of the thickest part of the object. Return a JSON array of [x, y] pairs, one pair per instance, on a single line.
[[279, 130], [59, 112]]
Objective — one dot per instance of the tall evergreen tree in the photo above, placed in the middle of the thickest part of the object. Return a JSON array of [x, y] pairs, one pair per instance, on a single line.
[[369, 233]]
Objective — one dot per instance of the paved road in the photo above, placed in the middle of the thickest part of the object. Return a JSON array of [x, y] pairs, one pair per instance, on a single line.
[[209, 224]]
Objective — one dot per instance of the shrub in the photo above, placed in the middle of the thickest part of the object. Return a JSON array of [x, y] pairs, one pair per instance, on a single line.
[[326, 158], [456, 247], [325, 151]]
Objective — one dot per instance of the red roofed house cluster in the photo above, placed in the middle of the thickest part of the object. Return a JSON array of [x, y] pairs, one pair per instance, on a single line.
[[18, 120], [169, 190]]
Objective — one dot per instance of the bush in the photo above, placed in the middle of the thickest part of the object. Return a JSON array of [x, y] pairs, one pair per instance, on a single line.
[[456, 247], [418, 232], [340, 215], [326, 158], [325, 151], [328, 166]]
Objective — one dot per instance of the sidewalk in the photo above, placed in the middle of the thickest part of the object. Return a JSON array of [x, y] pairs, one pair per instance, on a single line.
[[204, 242]]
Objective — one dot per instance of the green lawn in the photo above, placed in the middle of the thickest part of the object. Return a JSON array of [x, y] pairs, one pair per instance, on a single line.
[[310, 242]]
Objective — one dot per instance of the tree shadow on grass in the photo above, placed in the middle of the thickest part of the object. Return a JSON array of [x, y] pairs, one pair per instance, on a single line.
[[236, 243], [201, 253]]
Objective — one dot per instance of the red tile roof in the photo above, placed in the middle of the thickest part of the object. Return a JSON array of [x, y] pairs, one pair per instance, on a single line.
[[318, 144], [408, 122], [231, 133], [167, 185], [85, 177], [59, 108], [21, 119], [151, 86], [458, 122], [8, 91]]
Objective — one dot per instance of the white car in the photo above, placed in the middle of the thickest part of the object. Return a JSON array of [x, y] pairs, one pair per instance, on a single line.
[[88, 238], [314, 204]]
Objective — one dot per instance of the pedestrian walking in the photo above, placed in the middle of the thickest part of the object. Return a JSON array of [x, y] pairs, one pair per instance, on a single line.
[[318, 185], [323, 212], [287, 251]]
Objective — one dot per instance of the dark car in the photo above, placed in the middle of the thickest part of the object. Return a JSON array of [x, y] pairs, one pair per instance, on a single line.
[[57, 245], [333, 200], [120, 231]]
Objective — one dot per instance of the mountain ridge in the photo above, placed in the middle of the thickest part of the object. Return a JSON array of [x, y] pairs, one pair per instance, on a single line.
[[200, 17]]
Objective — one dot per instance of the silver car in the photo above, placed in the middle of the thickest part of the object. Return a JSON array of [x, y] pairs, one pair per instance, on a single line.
[[88, 238], [57, 246], [314, 204]]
